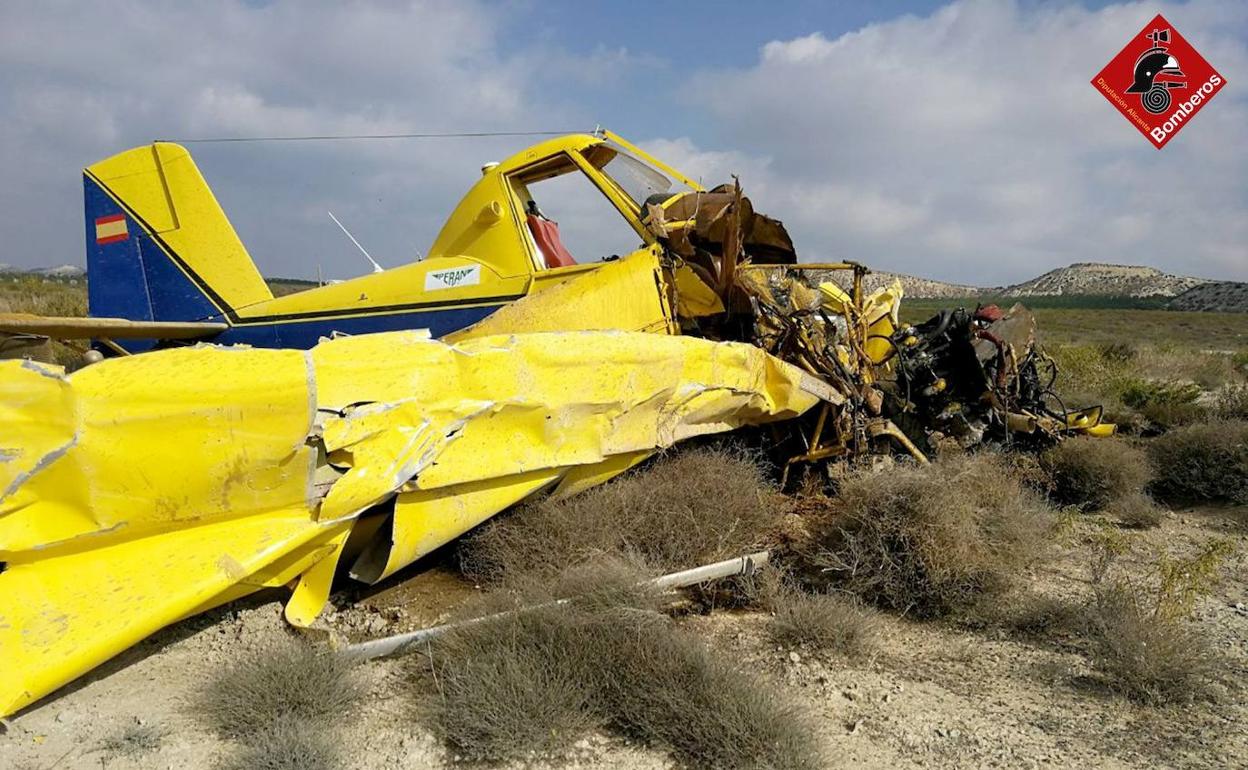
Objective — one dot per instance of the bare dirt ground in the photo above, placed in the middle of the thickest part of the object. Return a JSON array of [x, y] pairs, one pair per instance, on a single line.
[[936, 694]]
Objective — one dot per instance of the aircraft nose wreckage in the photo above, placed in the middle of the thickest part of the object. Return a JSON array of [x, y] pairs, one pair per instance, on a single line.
[[145, 488]]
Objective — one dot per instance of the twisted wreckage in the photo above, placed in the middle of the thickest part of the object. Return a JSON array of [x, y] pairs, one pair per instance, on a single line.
[[259, 441]]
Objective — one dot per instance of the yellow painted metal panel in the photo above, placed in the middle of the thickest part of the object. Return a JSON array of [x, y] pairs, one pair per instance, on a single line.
[[425, 520], [161, 184], [142, 489], [626, 294], [398, 290]]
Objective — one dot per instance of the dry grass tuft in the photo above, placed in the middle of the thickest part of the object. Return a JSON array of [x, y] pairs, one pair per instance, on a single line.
[[512, 686], [1206, 461], [669, 689], [133, 740], [1156, 660], [289, 743], [1231, 403], [688, 508], [532, 683], [292, 681], [1146, 641], [928, 539], [1092, 473], [837, 622], [39, 296], [1138, 511], [1034, 614]]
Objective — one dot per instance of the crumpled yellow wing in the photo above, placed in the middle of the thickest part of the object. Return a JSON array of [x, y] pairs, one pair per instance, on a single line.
[[143, 489]]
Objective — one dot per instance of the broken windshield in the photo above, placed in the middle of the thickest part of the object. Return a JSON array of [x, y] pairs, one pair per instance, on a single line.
[[637, 179]]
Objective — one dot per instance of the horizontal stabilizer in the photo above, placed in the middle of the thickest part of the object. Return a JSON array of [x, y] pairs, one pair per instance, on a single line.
[[77, 328]]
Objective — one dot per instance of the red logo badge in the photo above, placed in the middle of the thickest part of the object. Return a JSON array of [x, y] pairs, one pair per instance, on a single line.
[[1158, 82]]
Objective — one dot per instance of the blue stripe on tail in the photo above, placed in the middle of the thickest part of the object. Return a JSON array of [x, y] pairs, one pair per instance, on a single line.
[[133, 277]]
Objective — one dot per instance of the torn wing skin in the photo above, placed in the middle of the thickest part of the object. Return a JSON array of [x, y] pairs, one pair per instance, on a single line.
[[141, 490]]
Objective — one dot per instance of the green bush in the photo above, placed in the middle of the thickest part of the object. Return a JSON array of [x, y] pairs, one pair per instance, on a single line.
[[1164, 404], [1141, 393]]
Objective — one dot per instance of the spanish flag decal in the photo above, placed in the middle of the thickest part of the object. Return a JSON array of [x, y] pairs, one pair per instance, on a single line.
[[111, 229]]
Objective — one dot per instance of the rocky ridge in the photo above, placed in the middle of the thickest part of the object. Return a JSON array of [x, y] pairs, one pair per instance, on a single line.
[[1216, 296], [1088, 278]]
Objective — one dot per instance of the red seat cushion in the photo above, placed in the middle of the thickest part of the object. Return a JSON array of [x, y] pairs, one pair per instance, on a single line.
[[546, 234]]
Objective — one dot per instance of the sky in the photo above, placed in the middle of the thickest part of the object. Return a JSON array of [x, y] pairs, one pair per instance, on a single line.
[[958, 141]]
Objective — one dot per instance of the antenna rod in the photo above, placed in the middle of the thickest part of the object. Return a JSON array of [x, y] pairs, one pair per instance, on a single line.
[[376, 267]]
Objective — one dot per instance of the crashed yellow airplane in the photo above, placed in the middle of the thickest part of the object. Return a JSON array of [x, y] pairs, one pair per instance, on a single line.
[[142, 489]]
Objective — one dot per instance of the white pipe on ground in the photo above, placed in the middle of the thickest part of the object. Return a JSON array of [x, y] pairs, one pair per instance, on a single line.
[[404, 643]]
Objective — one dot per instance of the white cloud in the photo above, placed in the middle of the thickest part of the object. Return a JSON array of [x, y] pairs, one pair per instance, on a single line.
[[969, 145], [84, 81], [966, 145]]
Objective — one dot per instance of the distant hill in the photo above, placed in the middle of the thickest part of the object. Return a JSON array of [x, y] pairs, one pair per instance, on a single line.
[[921, 288], [1079, 279], [1218, 296], [62, 271], [1082, 284], [1096, 278]]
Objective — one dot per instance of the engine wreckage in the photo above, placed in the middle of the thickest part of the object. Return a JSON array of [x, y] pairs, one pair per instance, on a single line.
[[143, 489]]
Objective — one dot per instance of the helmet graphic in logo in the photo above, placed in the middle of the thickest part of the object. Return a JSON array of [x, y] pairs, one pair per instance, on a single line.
[[1153, 71]]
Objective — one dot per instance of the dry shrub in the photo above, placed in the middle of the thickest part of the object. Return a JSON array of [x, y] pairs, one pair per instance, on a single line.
[[290, 681], [1231, 403], [1171, 362], [928, 539], [1033, 614], [1167, 416], [1121, 352], [1206, 461], [513, 686], [531, 683], [30, 294], [1091, 473], [133, 740], [1146, 641], [1150, 659], [288, 743], [688, 508], [826, 621], [669, 689], [1137, 510]]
